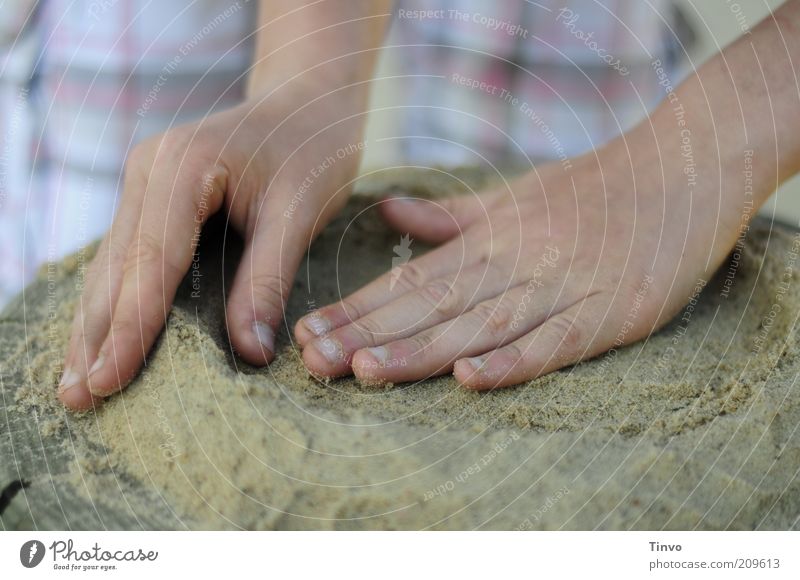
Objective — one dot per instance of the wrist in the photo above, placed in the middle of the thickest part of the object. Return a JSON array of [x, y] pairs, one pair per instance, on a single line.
[[317, 48]]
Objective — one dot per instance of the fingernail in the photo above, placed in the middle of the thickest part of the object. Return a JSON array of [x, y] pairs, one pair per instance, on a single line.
[[98, 364], [379, 353], [400, 199], [264, 335], [330, 349], [476, 362], [68, 380], [317, 324]]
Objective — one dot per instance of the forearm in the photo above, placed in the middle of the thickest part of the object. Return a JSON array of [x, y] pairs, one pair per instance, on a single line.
[[744, 99], [321, 45]]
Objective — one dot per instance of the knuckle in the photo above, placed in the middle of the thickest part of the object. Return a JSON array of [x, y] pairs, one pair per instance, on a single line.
[[483, 261], [419, 343], [145, 250], [115, 251], [513, 354], [369, 329], [352, 308], [567, 332], [109, 255], [206, 199], [135, 331], [269, 289], [194, 148], [185, 152], [123, 328], [494, 317], [137, 169], [411, 276], [442, 297], [176, 139]]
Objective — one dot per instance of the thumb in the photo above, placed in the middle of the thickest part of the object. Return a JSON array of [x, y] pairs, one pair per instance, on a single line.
[[436, 220]]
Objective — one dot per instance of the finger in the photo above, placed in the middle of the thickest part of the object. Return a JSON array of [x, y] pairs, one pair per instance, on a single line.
[[157, 259], [490, 324], [438, 301], [573, 335], [436, 220], [261, 287], [447, 259], [89, 328], [92, 318]]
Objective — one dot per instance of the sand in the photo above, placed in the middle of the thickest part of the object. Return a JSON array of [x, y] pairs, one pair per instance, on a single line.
[[696, 428]]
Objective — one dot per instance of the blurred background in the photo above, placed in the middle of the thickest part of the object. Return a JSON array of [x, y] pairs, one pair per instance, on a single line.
[[717, 26], [704, 26], [461, 82]]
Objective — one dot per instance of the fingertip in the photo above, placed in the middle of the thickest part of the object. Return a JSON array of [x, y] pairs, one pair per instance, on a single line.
[[324, 357], [78, 398], [106, 379], [301, 334], [404, 214], [394, 208], [367, 365], [310, 327], [254, 340], [468, 373]]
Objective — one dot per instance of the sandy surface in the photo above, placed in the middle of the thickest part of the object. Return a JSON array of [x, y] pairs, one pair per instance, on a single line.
[[696, 428]]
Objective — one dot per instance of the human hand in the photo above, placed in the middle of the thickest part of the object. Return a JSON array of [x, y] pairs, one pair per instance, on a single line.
[[250, 161], [557, 267]]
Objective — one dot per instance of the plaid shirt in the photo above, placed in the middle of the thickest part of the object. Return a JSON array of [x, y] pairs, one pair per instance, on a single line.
[[559, 77], [81, 81]]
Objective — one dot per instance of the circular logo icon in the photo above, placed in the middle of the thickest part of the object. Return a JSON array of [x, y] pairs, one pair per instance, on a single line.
[[31, 553]]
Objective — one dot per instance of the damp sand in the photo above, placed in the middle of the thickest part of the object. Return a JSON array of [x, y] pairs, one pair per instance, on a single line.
[[696, 428]]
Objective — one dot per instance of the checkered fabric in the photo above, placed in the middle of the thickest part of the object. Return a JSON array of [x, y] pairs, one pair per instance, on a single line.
[[81, 81]]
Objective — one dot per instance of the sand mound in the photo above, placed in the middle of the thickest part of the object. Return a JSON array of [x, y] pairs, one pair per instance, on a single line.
[[697, 427]]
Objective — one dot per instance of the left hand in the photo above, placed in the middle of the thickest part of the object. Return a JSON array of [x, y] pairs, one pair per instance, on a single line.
[[250, 162], [556, 268]]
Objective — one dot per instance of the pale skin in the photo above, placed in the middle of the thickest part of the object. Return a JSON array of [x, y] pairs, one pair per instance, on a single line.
[[533, 276], [306, 97]]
